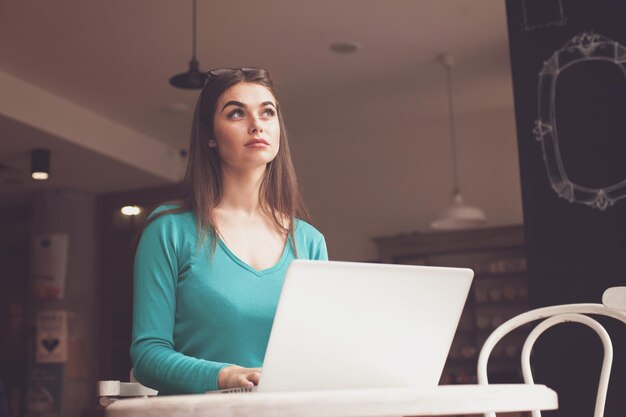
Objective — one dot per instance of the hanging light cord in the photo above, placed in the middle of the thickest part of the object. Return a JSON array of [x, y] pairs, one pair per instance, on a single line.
[[193, 56], [452, 128]]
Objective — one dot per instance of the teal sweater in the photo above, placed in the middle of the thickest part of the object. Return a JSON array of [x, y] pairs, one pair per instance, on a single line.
[[195, 314]]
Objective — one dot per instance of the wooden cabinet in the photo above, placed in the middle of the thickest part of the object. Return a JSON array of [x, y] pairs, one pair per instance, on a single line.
[[499, 291]]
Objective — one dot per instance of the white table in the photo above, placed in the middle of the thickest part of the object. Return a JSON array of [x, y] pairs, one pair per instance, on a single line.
[[442, 400]]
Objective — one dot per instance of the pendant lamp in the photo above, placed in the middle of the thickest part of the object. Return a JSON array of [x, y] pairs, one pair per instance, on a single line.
[[458, 215], [193, 79], [40, 164]]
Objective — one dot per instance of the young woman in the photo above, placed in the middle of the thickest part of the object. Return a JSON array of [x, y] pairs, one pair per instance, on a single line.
[[209, 269]]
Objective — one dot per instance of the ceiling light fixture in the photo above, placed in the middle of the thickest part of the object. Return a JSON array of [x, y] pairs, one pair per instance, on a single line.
[[40, 164], [131, 210], [458, 215], [193, 79], [344, 47]]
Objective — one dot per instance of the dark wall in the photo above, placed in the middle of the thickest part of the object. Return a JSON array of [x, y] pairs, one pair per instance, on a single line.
[[15, 224], [118, 237], [575, 236]]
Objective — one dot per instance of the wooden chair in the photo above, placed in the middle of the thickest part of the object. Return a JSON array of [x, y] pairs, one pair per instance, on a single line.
[[109, 391], [614, 306]]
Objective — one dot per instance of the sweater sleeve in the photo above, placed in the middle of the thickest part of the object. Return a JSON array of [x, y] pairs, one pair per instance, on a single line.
[[156, 362], [321, 252]]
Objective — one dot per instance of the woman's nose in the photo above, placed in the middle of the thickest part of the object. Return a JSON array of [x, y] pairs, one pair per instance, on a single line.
[[255, 126]]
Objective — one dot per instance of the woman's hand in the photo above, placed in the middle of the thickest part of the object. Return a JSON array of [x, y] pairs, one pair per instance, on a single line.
[[236, 377]]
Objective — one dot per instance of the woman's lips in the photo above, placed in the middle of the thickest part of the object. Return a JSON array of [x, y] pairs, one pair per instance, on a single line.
[[257, 143]]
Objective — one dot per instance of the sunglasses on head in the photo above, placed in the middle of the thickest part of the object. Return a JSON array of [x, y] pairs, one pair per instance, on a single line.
[[217, 72]]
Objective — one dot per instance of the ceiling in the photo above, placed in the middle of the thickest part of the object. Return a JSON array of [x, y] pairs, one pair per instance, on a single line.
[[94, 64]]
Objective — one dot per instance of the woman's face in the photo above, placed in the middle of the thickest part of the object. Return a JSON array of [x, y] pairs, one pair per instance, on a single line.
[[246, 127]]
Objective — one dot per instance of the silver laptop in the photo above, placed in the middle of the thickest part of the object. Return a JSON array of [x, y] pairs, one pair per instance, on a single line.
[[346, 325]]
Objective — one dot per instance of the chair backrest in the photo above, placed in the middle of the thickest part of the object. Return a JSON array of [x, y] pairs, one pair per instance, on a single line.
[[552, 316], [615, 298]]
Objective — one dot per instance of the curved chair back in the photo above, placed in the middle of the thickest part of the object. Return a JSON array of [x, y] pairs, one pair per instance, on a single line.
[[551, 316], [615, 298]]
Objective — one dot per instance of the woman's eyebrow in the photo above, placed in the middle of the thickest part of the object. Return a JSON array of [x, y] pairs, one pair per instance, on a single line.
[[240, 104], [233, 103]]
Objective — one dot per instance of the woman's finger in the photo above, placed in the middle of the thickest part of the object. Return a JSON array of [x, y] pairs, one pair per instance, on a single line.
[[245, 382], [254, 377]]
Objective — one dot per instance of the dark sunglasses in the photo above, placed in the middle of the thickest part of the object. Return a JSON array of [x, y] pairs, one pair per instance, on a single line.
[[218, 72]]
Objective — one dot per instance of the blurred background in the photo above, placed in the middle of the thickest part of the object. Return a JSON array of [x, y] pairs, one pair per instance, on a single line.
[[382, 129], [89, 81]]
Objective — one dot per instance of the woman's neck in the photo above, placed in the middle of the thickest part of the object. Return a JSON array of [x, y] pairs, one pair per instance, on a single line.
[[240, 190]]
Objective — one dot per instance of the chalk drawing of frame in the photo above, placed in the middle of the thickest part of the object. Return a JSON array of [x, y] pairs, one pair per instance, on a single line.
[[587, 46]]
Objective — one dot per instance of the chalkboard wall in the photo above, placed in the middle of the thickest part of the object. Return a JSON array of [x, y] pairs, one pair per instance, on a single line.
[[568, 60]]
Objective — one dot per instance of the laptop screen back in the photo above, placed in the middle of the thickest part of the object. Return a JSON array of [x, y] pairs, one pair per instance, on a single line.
[[345, 325]]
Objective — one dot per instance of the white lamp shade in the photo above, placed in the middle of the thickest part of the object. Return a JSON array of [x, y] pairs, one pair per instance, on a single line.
[[459, 215]]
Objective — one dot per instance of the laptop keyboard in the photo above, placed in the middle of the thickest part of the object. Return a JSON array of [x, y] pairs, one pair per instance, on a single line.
[[237, 390]]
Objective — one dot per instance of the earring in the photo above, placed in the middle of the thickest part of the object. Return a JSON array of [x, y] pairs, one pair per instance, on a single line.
[[212, 143]]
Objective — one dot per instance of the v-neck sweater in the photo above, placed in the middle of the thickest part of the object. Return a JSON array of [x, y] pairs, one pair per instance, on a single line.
[[196, 312]]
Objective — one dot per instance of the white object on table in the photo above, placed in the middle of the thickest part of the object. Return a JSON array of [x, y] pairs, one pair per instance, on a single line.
[[441, 400], [110, 391]]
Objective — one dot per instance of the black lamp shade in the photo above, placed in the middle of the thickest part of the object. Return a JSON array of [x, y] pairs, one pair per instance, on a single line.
[[40, 160], [193, 79]]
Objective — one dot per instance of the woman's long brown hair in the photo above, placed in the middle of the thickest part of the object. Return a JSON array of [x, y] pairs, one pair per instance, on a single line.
[[202, 187]]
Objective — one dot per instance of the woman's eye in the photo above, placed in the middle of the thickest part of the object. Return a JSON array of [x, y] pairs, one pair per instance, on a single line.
[[235, 114], [269, 112]]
